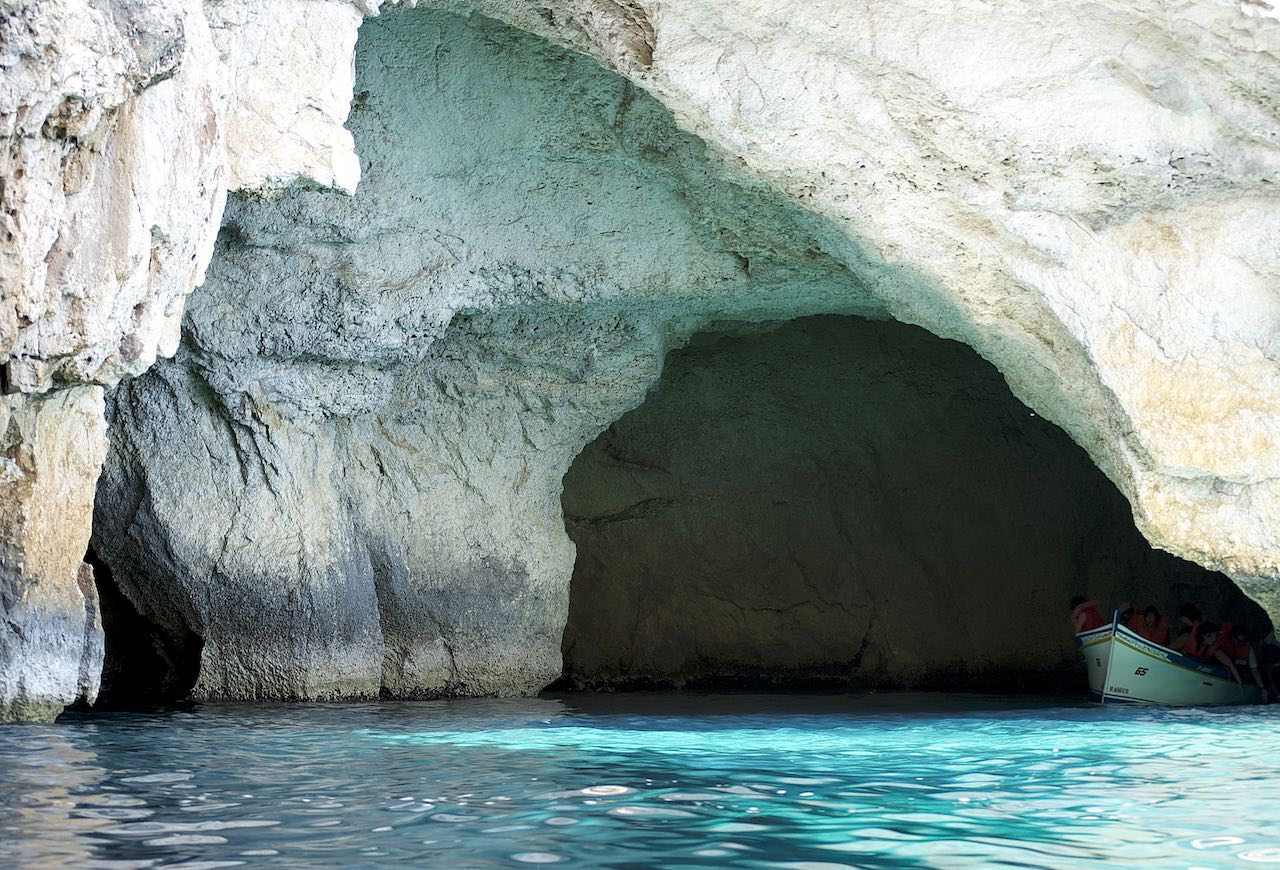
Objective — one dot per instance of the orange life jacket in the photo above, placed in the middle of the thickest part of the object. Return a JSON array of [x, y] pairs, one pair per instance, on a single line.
[[1092, 618], [1205, 651]]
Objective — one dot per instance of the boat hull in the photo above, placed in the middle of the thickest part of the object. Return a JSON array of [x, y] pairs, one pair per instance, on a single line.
[[1095, 646], [1125, 668]]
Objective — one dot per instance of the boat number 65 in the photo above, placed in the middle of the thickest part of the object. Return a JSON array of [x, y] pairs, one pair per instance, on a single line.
[[1140, 672]]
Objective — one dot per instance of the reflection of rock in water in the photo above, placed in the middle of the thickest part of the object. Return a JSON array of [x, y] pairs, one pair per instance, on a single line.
[[844, 501], [52, 796]]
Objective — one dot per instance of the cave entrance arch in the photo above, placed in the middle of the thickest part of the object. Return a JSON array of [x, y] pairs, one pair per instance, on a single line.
[[846, 502]]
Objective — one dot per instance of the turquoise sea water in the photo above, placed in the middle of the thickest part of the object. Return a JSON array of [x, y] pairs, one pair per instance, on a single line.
[[637, 781]]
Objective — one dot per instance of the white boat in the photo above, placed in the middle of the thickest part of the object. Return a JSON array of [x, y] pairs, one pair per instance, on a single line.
[[1125, 668]]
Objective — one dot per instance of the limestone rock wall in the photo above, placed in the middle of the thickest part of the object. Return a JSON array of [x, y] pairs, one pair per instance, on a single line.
[[51, 452], [507, 183], [333, 556], [112, 191], [122, 122], [1083, 195], [289, 69], [847, 502], [348, 480]]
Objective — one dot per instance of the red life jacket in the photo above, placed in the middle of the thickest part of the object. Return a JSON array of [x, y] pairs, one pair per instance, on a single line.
[[1238, 652], [1092, 618], [1159, 634], [1186, 642]]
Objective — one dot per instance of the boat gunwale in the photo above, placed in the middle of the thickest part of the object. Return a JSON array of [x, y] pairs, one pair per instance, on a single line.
[[1118, 632]]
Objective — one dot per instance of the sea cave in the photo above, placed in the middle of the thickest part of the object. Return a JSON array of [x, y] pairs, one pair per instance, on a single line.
[[634, 434]]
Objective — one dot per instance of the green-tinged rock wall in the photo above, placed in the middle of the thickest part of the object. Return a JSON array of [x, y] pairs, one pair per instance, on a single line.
[[347, 482]]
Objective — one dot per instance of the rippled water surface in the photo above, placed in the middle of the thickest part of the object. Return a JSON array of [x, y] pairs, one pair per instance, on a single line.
[[646, 781]]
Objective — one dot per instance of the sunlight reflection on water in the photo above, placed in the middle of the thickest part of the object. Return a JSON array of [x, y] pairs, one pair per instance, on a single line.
[[643, 781]]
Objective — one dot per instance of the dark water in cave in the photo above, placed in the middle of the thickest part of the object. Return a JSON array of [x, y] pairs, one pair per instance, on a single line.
[[632, 781]]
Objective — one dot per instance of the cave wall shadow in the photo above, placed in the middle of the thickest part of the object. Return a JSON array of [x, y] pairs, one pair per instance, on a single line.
[[146, 663], [847, 502]]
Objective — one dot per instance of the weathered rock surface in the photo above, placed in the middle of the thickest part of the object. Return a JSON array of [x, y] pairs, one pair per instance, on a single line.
[[1083, 196], [289, 65], [325, 556], [113, 189], [112, 193], [114, 117], [847, 501], [373, 505], [51, 452]]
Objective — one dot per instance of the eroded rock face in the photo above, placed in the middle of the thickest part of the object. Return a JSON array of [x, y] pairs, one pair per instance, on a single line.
[[848, 502], [113, 119], [388, 565], [1084, 198], [113, 188], [112, 192], [51, 451], [374, 504], [385, 389], [289, 67]]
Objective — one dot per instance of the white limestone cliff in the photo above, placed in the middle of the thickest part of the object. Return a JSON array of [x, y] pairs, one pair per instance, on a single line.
[[1087, 196], [114, 182], [1083, 194], [122, 127], [289, 63]]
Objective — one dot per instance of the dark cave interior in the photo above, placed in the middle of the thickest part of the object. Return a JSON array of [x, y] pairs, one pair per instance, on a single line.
[[845, 502]]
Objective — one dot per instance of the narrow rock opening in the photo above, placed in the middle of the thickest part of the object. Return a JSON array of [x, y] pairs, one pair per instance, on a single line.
[[847, 502], [145, 663]]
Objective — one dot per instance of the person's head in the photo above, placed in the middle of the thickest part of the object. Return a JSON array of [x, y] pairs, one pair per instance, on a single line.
[[1151, 616], [1240, 634], [1207, 632], [1189, 613], [1076, 601]]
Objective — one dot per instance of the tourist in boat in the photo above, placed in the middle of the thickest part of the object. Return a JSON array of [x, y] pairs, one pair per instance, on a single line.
[[1127, 615], [1206, 648], [1237, 643], [1085, 615], [1268, 653], [1234, 641], [1149, 625], [1184, 632]]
